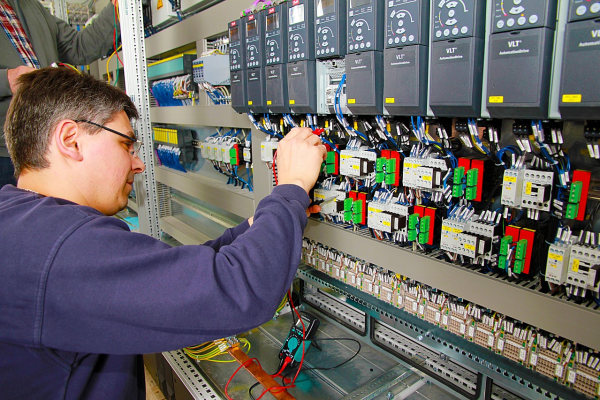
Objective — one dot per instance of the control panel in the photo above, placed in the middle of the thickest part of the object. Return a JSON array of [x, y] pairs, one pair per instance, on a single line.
[[330, 25], [406, 23], [523, 14], [237, 44], [276, 34], [301, 30], [457, 19], [255, 32], [365, 25]]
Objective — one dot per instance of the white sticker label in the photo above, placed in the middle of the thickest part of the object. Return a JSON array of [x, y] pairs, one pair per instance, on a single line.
[[358, 282], [415, 305], [522, 354], [370, 286], [438, 315], [399, 301], [353, 279], [445, 320], [572, 376], [462, 329], [533, 359], [559, 370], [500, 345], [342, 274], [421, 309], [491, 341], [376, 289], [471, 331], [389, 296], [327, 267], [337, 272]]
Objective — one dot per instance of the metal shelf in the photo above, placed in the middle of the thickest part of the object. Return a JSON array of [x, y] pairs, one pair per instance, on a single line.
[[132, 204], [556, 315], [222, 115], [182, 232], [217, 193]]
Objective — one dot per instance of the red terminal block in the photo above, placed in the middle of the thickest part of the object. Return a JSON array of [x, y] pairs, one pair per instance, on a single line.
[[584, 177], [517, 234], [430, 212], [478, 164], [362, 197]]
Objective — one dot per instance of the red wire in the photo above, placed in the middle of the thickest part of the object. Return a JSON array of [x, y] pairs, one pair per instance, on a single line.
[[236, 371]]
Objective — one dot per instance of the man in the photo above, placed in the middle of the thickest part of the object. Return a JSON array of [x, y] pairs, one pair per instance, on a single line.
[[80, 293], [32, 38]]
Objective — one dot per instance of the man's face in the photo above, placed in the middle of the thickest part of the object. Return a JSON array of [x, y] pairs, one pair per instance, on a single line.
[[110, 166]]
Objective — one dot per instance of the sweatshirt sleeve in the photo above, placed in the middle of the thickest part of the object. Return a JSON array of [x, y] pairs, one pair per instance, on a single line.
[[228, 236], [111, 291], [88, 45]]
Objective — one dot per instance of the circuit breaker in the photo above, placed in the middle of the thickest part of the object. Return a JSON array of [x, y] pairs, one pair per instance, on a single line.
[[256, 90], [255, 33], [579, 96], [330, 26], [277, 100], [276, 42], [365, 25], [456, 71], [301, 19], [364, 82], [406, 57], [237, 45], [520, 58]]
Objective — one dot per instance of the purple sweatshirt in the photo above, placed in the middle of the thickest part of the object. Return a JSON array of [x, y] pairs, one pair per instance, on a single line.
[[81, 295]]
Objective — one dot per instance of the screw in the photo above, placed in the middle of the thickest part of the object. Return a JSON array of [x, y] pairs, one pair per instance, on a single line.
[[420, 337], [389, 395]]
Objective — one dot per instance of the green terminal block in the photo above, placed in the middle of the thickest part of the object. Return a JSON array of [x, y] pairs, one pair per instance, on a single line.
[[357, 218], [413, 220], [348, 205], [572, 211], [518, 267], [472, 177], [330, 157], [390, 179], [380, 177], [233, 156], [471, 193], [330, 168], [379, 164], [521, 251], [391, 165], [457, 190], [423, 237], [347, 216], [504, 244], [458, 175], [575, 192], [502, 262], [412, 235], [425, 221], [357, 207]]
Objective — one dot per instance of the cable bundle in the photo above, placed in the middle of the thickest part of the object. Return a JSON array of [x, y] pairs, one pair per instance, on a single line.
[[173, 91], [169, 157]]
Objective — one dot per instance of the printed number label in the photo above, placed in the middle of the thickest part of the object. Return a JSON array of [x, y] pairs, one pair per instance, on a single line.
[[399, 301], [471, 331], [353, 280], [445, 320], [572, 376], [462, 329], [491, 340], [559, 371], [522, 354], [437, 317], [500, 345], [421, 309], [533, 360], [415, 305]]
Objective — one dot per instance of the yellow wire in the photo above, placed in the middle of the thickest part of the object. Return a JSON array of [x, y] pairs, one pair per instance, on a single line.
[[108, 62], [199, 352]]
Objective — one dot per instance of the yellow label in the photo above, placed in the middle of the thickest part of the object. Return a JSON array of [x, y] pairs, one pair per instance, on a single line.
[[159, 5], [292, 101], [326, 123], [556, 257], [446, 228], [249, 102], [496, 99], [426, 178], [408, 165], [386, 223], [510, 179], [269, 102], [346, 156], [571, 98], [575, 265], [351, 101], [390, 100], [262, 146], [528, 188], [584, 152], [355, 125], [355, 167], [375, 210], [456, 230], [319, 196], [469, 247]]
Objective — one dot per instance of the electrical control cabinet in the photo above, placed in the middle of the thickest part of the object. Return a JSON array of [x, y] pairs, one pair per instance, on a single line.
[[277, 88], [330, 25], [302, 88], [237, 45], [301, 31], [256, 89], [365, 25], [406, 55], [238, 91], [456, 71], [557, 264], [276, 40], [255, 34], [520, 59], [364, 82], [579, 96]]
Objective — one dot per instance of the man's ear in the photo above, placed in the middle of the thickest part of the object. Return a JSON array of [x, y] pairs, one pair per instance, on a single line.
[[67, 137]]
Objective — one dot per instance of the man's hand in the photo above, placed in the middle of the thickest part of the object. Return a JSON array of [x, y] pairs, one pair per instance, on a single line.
[[13, 75], [310, 210], [299, 158]]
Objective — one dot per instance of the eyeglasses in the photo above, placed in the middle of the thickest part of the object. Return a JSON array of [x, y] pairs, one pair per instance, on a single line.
[[135, 143]]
